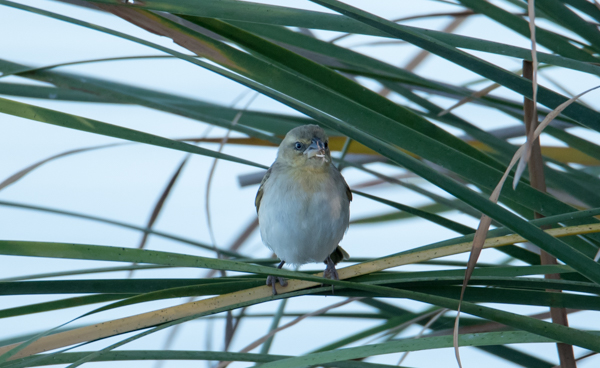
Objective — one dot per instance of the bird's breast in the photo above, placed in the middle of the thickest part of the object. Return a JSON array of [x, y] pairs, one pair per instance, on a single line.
[[303, 217]]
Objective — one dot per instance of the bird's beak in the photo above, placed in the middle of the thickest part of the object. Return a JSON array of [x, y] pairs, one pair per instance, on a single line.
[[316, 149]]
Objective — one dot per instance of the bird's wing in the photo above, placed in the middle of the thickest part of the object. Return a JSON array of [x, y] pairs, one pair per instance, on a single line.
[[261, 189], [339, 174], [348, 193]]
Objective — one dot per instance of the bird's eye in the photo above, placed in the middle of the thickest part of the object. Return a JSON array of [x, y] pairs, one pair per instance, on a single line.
[[325, 144], [298, 145]]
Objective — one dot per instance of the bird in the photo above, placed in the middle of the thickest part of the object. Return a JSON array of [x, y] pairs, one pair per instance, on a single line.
[[303, 204]]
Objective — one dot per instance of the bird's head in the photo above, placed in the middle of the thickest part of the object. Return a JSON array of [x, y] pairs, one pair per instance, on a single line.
[[307, 146]]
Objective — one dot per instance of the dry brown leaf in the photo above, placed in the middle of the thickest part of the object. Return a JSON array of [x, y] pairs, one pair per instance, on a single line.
[[492, 326], [485, 221], [580, 358], [522, 154], [19, 175], [553, 114], [425, 327], [158, 206], [478, 240], [402, 326], [162, 26], [530, 139], [211, 173], [470, 98], [230, 328]]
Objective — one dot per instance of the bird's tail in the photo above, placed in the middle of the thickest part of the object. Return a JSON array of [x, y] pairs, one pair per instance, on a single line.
[[339, 254]]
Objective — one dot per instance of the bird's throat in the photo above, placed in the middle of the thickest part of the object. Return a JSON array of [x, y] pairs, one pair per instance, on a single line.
[[310, 177]]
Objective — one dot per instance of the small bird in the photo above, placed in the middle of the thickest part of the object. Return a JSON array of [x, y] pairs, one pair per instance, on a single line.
[[303, 203]]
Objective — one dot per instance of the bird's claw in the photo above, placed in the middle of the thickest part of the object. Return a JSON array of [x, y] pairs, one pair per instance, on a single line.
[[330, 272], [272, 280]]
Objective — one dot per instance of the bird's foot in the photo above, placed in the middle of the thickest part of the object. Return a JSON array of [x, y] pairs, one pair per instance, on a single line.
[[272, 280], [330, 271]]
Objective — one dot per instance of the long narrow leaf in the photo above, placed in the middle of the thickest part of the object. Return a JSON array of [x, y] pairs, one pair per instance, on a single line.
[[93, 126]]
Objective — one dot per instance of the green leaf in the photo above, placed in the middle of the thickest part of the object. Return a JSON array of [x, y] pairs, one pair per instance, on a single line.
[[424, 343], [516, 83], [396, 215], [118, 286], [80, 272], [564, 16], [342, 86], [93, 126], [58, 304], [143, 355], [551, 40], [120, 224], [449, 224]]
